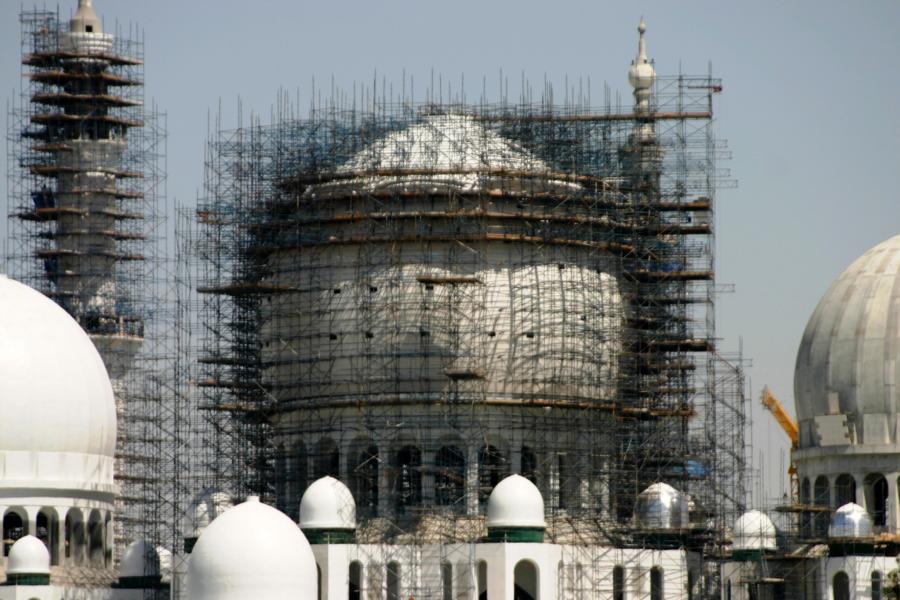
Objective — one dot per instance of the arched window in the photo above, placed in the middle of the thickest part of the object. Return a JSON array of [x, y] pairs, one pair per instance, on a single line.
[[298, 477], [95, 535], [618, 585], [328, 459], [364, 480], [74, 536], [525, 581], [481, 579], [393, 581], [356, 577], [446, 581], [820, 498], [491, 469], [450, 476], [529, 464], [876, 585], [805, 500], [47, 530], [318, 581], [841, 585], [656, 584], [408, 483], [728, 590], [877, 498], [13, 529], [281, 477], [844, 490]]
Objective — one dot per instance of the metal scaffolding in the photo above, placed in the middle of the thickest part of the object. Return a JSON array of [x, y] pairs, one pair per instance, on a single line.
[[420, 298]]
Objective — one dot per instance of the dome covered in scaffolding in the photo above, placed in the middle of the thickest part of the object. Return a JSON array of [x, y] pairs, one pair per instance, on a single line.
[[59, 416], [754, 530], [661, 507]]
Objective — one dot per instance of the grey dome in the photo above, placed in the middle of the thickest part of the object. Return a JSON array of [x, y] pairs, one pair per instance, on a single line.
[[847, 366], [661, 506]]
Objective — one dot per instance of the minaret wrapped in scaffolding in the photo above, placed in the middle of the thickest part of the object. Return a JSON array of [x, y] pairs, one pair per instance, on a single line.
[[84, 181]]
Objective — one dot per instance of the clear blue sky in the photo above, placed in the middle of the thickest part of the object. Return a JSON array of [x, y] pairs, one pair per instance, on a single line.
[[810, 111]]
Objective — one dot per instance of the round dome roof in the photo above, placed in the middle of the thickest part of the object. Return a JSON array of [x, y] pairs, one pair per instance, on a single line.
[[140, 560], [661, 506], [754, 530], [515, 502], [60, 428], [28, 556], [203, 509], [327, 504], [252, 551], [850, 521], [848, 358]]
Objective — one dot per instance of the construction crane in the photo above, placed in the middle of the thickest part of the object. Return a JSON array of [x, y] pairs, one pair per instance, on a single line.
[[789, 425]]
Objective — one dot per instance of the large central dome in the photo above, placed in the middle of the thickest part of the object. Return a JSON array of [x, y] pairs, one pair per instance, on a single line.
[[847, 370], [59, 420]]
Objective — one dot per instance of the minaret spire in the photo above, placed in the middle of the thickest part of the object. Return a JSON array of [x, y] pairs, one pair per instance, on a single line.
[[641, 75]]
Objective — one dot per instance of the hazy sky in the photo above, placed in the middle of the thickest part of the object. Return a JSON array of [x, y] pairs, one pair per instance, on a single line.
[[810, 112]]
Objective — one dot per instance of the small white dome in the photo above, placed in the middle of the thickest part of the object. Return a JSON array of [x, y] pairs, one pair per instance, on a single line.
[[754, 530], [327, 504], [252, 551], [140, 560], [850, 521], [203, 509], [28, 556], [59, 425], [661, 506], [515, 502]]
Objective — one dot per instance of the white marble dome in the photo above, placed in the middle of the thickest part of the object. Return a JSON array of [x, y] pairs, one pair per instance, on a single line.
[[252, 551], [754, 530], [327, 504], [515, 502], [28, 556], [139, 560], [59, 418], [850, 521], [847, 365]]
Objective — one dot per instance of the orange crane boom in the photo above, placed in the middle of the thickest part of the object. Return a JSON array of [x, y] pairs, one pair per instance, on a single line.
[[789, 425]]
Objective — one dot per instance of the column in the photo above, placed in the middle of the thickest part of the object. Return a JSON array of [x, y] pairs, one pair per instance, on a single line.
[[859, 480], [893, 522], [471, 480]]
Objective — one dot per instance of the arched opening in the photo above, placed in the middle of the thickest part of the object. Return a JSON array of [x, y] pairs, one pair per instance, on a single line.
[[95, 538], [450, 476], [820, 520], [481, 579], [657, 591], [525, 581], [364, 480], [491, 469], [618, 583], [356, 578], [844, 490], [13, 528], [107, 557], [876, 489], [446, 581], [74, 537], [318, 581], [876, 585], [328, 459], [805, 500], [47, 530], [728, 590], [529, 464], [408, 483], [841, 586], [393, 581]]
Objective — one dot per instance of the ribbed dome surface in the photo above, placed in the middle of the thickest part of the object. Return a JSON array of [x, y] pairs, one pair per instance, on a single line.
[[847, 362], [59, 417]]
